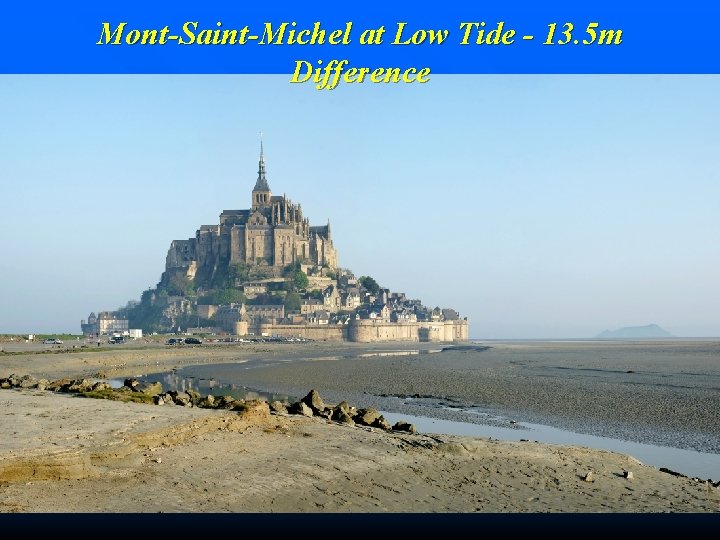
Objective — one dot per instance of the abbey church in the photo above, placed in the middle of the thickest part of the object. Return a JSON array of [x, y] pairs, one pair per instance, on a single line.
[[273, 233], [265, 271]]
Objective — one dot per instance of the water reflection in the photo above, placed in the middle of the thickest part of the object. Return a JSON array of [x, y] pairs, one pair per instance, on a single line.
[[182, 383], [689, 462], [396, 353]]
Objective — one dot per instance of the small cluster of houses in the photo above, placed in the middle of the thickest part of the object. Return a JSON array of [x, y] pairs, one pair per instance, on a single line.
[[330, 302]]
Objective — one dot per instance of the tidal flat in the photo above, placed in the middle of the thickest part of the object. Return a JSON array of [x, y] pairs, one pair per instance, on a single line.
[[663, 393], [101, 456]]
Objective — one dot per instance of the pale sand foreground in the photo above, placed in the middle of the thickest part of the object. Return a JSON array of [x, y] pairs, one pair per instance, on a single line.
[[60, 453]]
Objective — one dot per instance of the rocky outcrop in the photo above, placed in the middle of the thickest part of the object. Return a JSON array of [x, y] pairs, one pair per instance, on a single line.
[[151, 392], [366, 417], [147, 388], [278, 407], [313, 405], [101, 386], [314, 401], [404, 426], [300, 407]]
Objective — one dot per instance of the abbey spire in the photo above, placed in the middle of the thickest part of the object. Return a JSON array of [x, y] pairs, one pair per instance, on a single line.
[[261, 192]]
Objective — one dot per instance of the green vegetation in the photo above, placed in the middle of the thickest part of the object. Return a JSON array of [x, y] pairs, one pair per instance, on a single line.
[[292, 302], [276, 286], [370, 284], [237, 273], [274, 299], [180, 285], [291, 268], [223, 297], [260, 272], [300, 280], [240, 407], [147, 313]]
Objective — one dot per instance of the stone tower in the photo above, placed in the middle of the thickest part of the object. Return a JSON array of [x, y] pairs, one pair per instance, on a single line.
[[261, 193], [267, 237]]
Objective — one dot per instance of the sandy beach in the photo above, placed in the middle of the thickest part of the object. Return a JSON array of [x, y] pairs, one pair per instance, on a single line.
[[60, 453]]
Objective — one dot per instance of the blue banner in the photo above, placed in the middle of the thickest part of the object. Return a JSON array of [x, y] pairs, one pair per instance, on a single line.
[[285, 38]]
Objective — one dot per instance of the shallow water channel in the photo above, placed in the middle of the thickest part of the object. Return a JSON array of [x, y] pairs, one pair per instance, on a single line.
[[687, 462]]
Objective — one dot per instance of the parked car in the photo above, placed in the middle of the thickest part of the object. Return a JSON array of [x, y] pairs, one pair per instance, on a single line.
[[52, 341], [174, 341], [192, 341]]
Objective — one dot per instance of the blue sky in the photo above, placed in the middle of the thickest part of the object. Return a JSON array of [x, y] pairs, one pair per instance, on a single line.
[[536, 205]]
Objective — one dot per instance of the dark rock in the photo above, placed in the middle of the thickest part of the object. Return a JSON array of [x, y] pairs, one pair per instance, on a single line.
[[381, 423], [195, 397], [57, 386], [168, 398], [208, 402], [314, 401], [147, 388], [159, 400], [238, 405], [345, 418], [674, 473], [131, 383], [341, 407], [327, 412], [27, 381], [78, 385], [300, 407], [225, 402], [404, 426], [366, 417], [278, 407], [182, 398]]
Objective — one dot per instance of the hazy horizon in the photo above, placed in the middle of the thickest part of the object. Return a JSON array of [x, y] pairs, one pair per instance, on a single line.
[[538, 206]]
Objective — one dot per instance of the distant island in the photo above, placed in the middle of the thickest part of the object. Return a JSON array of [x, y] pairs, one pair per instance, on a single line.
[[265, 271], [649, 331]]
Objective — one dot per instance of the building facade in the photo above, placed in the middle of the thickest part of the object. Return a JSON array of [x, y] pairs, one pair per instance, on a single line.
[[271, 234]]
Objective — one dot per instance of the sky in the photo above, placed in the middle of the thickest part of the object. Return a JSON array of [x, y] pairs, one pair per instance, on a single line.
[[538, 206]]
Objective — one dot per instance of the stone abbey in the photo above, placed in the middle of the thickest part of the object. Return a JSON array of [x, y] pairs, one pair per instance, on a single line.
[[265, 271], [272, 233]]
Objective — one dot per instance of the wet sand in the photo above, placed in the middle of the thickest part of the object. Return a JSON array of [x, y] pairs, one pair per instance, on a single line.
[[65, 454], [662, 393]]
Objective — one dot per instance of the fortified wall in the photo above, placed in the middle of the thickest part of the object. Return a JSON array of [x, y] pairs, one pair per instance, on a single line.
[[368, 330], [372, 331], [316, 332]]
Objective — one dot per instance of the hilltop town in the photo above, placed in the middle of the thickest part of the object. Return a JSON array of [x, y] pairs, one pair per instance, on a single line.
[[266, 271]]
